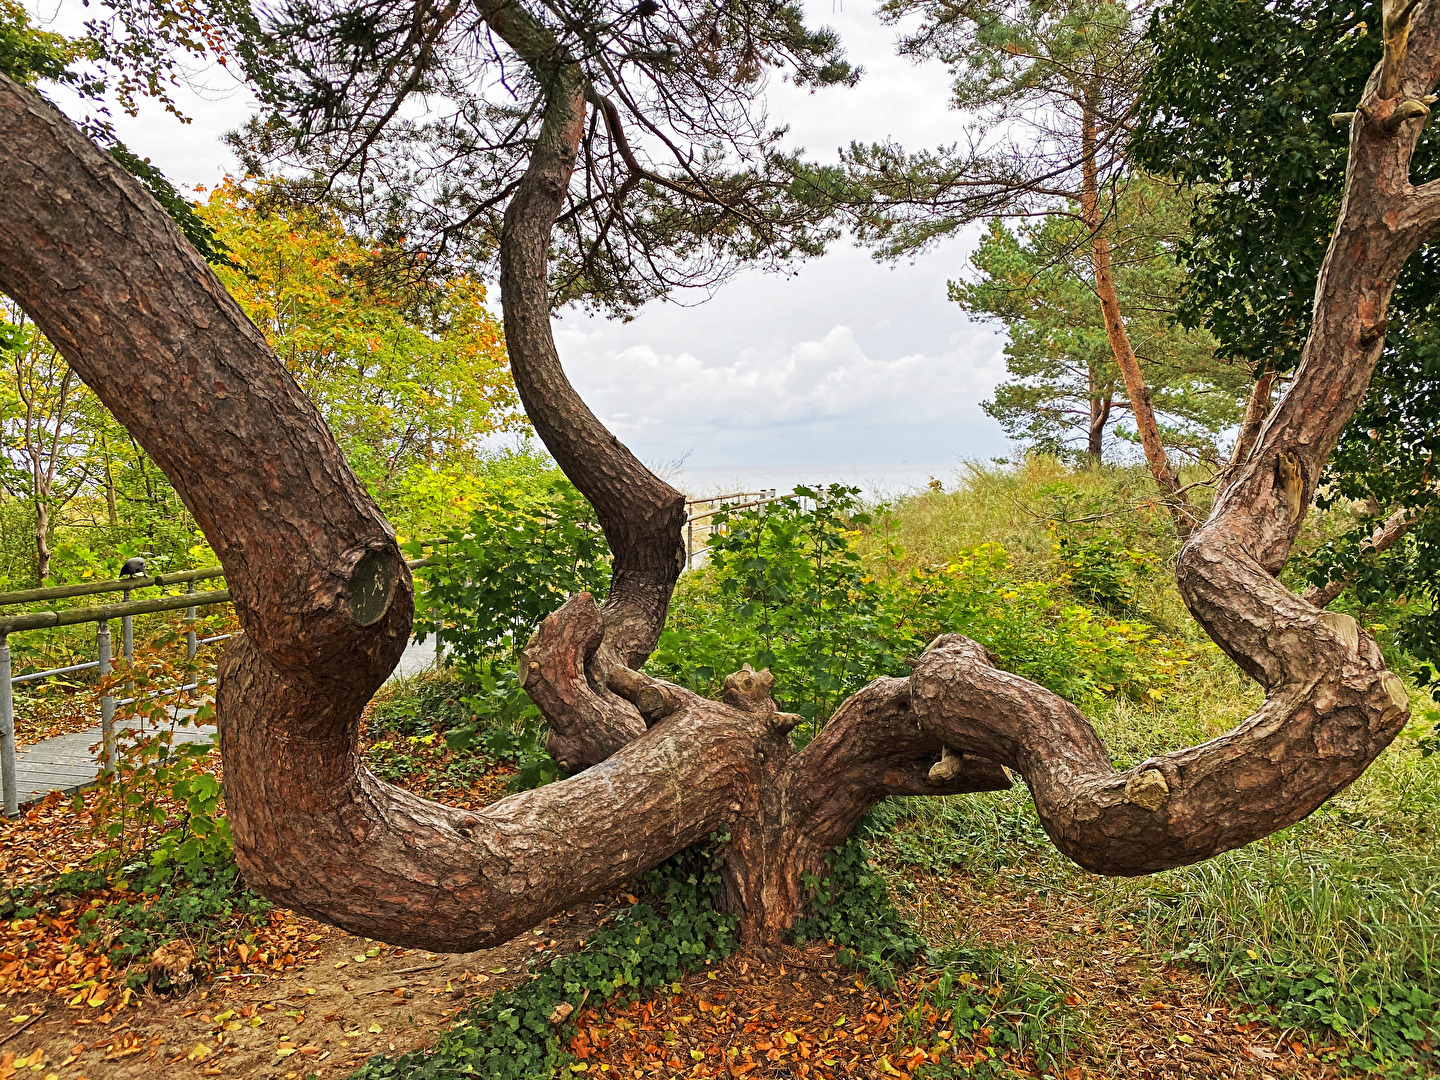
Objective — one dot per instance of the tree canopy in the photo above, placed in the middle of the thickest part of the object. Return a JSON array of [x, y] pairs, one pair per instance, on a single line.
[[1068, 396], [411, 375], [679, 177], [1238, 107]]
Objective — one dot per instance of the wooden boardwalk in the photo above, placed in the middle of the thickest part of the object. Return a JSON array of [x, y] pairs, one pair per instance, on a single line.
[[67, 763]]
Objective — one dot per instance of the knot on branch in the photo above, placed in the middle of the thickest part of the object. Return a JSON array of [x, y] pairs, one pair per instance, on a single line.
[[1409, 109], [1290, 473], [970, 650], [749, 690], [950, 765], [1148, 789], [1346, 629], [1397, 700], [1374, 333]]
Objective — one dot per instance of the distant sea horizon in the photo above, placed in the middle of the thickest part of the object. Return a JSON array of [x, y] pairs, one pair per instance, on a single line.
[[876, 482]]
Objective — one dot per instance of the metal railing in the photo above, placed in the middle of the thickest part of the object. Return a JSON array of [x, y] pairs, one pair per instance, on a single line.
[[102, 615], [720, 504]]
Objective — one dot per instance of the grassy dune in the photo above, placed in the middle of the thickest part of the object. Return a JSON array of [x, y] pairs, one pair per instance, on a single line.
[[1330, 923]]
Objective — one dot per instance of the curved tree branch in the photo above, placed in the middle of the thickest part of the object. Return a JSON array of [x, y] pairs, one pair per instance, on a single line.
[[325, 599], [642, 515], [1331, 706], [1257, 408]]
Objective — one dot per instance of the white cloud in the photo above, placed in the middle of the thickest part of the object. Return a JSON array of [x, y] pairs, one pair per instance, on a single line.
[[844, 361], [639, 389]]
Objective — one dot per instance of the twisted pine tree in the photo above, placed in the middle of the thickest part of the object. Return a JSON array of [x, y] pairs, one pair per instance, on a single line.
[[610, 153]]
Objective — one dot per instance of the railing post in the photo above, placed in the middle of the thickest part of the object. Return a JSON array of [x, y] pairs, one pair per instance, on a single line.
[[190, 644], [127, 641], [107, 702], [7, 731], [689, 543]]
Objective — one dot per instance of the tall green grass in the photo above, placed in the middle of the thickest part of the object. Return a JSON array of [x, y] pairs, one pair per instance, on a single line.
[[1331, 923]]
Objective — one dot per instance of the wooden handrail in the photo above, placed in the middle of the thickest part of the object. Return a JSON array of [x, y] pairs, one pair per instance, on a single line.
[[732, 495], [90, 588], [39, 620]]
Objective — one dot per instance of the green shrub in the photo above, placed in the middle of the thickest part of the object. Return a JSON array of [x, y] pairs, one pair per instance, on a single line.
[[787, 590], [507, 726], [529, 543], [850, 905], [160, 807], [1099, 569], [427, 703]]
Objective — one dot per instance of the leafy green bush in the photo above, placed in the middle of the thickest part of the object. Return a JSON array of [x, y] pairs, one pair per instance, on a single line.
[[850, 906], [529, 543], [786, 589], [1099, 569], [424, 704], [1035, 631], [160, 806]]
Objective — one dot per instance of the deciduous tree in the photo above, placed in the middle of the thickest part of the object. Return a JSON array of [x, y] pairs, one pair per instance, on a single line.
[[409, 373], [47, 450]]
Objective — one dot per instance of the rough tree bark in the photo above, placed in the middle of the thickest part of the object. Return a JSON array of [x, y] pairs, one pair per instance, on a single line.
[[1257, 408], [1101, 401], [325, 602], [641, 515]]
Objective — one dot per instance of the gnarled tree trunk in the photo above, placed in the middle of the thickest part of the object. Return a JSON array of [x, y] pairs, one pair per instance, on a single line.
[[325, 599]]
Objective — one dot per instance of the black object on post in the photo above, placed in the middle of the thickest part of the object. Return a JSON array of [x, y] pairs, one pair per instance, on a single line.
[[134, 567]]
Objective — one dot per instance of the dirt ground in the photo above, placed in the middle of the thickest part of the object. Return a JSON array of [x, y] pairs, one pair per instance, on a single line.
[[803, 1015], [347, 999], [324, 1017], [1146, 1017]]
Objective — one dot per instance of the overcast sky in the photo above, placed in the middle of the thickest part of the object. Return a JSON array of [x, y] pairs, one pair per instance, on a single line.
[[847, 361]]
